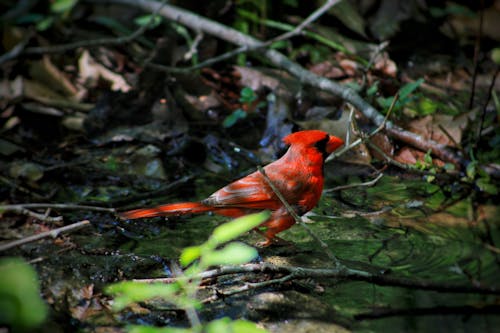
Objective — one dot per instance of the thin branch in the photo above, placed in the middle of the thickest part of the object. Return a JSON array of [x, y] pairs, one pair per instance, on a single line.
[[344, 273], [477, 49], [365, 184], [485, 106], [52, 233], [311, 18], [365, 138], [20, 207], [390, 160]]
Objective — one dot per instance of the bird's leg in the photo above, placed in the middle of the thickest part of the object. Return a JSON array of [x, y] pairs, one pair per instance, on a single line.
[[277, 223]]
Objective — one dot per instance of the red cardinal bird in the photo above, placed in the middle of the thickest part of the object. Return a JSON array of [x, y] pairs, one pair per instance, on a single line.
[[298, 175]]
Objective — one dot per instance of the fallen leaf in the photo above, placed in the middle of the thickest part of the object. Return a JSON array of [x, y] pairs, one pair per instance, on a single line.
[[204, 102], [444, 129], [381, 141], [385, 65], [408, 155], [327, 69], [257, 80], [90, 72], [46, 72]]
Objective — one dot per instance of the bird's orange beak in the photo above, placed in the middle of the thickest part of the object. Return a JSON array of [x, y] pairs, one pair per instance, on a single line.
[[333, 143]]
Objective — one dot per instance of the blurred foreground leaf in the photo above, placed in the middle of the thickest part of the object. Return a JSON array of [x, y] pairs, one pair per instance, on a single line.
[[21, 306]]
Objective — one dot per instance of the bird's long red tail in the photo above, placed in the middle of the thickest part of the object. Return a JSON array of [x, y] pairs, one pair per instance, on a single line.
[[174, 209]]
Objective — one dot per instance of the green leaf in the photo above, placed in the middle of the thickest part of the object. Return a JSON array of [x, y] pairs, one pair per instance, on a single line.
[[233, 118], [21, 307], [219, 326], [62, 6], [30, 18], [373, 89], [128, 292], [152, 20], [281, 44], [190, 254], [430, 178], [45, 23], [235, 228], [449, 167], [409, 88], [486, 186], [247, 95], [231, 254], [471, 170], [225, 324], [245, 326], [426, 106], [495, 55]]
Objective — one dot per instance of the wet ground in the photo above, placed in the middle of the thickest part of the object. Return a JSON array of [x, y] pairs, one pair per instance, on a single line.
[[401, 228]]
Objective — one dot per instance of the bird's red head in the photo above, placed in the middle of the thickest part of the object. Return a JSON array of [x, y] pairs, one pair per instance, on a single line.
[[315, 138]]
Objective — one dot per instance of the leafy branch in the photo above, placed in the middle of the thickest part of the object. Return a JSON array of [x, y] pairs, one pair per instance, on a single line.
[[182, 293]]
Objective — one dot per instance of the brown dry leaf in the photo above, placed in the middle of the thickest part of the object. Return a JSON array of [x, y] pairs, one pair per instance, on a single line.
[[431, 127], [40, 92], [385, 65], [46, 72], [204, 102], [408, 155], [256, 79], [90, 72], [381, 141], [349, 66], [86, 304], [327, 69]]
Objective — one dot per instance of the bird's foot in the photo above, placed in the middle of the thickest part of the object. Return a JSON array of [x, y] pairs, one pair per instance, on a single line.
[[275, 241]]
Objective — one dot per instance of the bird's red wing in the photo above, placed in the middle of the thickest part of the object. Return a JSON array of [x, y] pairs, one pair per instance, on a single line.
[[250, 192]]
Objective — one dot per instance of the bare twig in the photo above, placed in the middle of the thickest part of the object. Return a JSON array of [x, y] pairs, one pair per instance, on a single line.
[[311, 18], [485, 105], [477, 48], [342, 273], [52, 233], [20, 207], [365, 138], [389, 159], [365, 184]]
